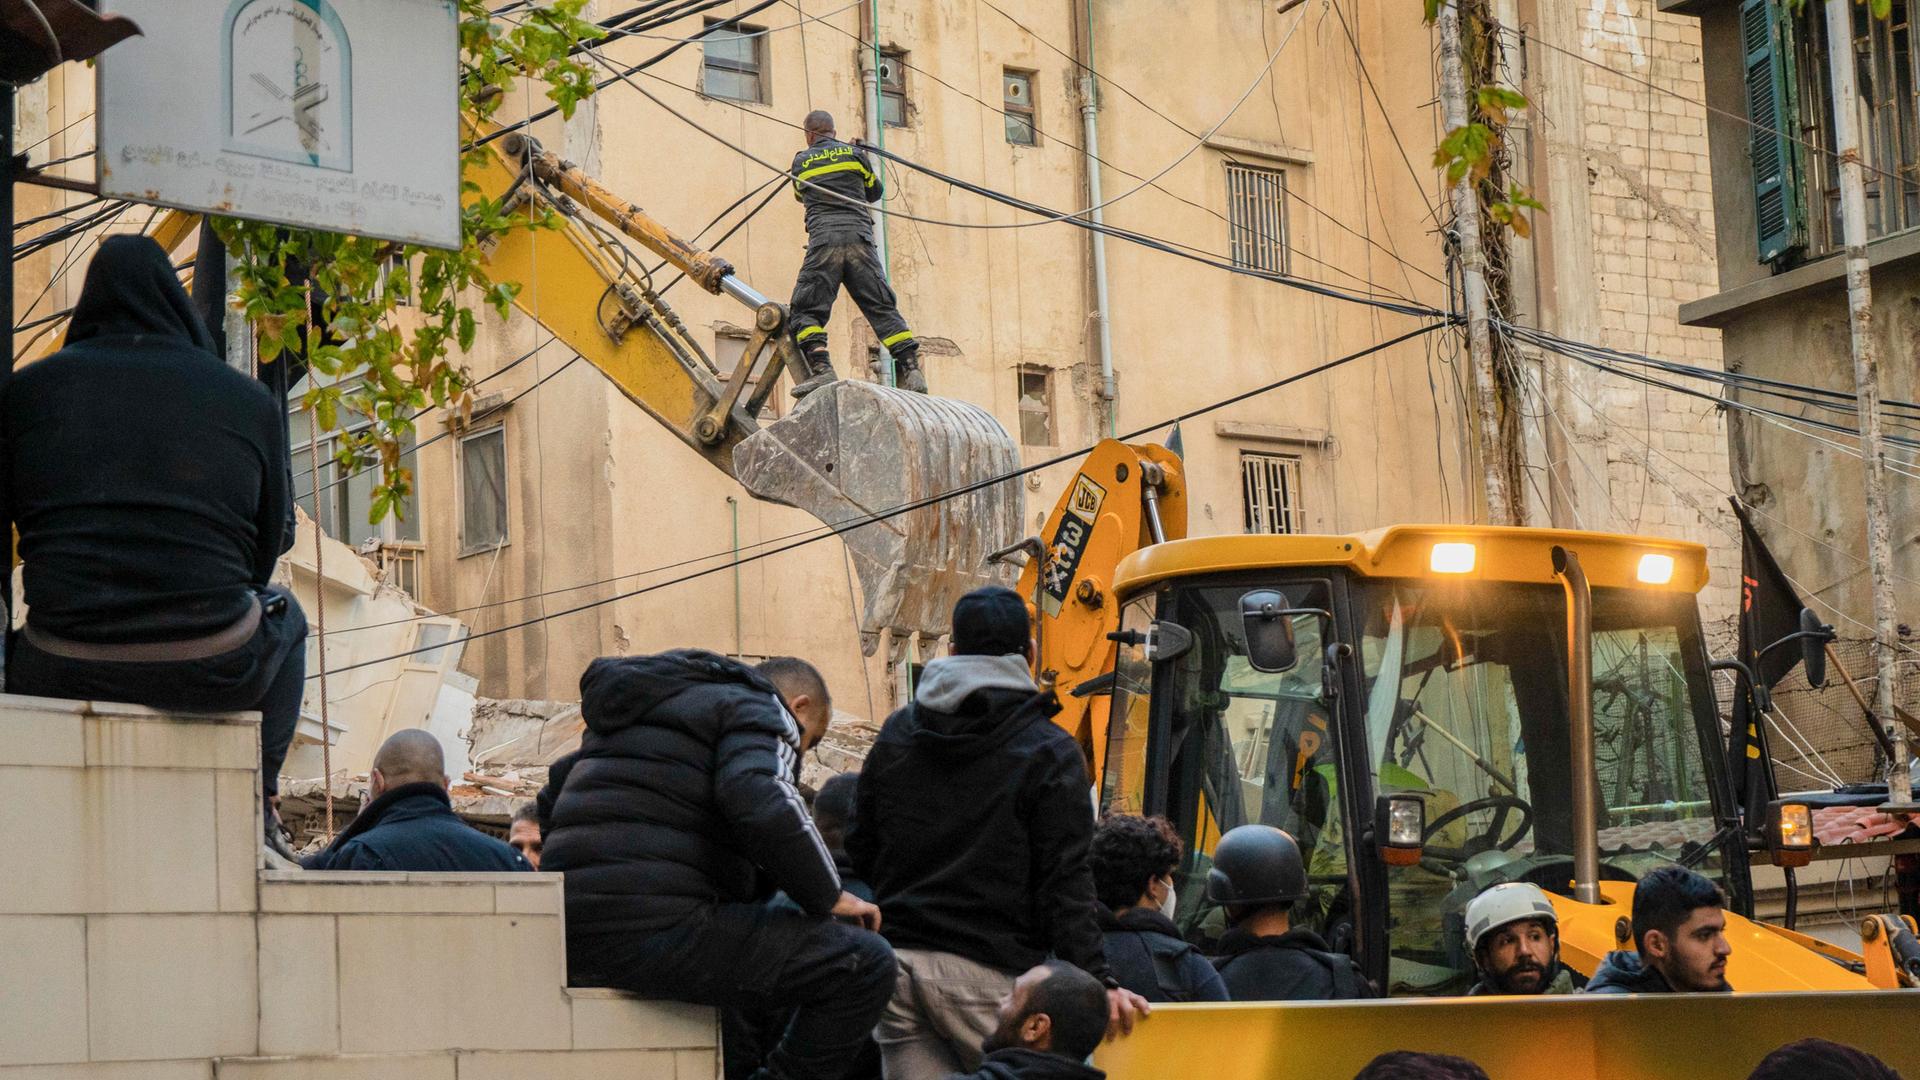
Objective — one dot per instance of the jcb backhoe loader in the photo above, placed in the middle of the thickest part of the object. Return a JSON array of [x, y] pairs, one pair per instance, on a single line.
[[854, 452], [1537, 704]]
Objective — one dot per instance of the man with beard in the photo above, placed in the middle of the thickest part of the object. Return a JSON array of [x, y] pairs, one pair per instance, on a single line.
[[1049, 1024], [1515, 940], [1680, 938]]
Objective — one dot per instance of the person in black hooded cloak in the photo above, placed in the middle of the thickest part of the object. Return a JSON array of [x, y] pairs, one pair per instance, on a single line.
[[149, 484]]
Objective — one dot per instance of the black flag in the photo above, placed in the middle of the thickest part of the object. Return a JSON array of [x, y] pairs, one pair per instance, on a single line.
[[1769, 611]]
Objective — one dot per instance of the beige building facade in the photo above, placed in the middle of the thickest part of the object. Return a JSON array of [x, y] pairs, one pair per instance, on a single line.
[[561, 525]]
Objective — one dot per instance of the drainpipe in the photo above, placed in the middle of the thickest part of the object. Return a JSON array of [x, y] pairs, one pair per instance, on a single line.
[[739, 650], [1089, 117], [876, 136], [1586, 781]]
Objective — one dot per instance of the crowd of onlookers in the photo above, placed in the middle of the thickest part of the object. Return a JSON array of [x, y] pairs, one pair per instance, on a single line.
[[955, 909]]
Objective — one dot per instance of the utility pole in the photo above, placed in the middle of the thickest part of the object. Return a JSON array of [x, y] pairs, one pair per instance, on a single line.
[[1866, 388], [877, 137], [1456, 114]]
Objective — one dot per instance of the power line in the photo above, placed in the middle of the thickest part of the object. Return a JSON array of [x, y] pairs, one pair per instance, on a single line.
[[1748, 121], [763, 32], [551, 338], [535, 118], [1050, 216], [1199, 141], [879, 516], [1290, 191]]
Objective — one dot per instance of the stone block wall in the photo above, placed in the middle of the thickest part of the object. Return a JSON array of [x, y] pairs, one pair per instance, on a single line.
[[1651, 196], [143, 940]]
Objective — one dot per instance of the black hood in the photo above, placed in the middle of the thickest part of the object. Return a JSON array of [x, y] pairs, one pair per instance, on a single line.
[[617, 692], [132, 289]]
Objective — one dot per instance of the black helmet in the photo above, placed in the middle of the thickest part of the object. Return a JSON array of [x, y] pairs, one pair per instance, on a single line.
[[1256, 865]]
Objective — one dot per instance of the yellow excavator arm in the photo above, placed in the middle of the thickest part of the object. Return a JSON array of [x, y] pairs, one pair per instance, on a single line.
[[877, 463], [1124, 498]]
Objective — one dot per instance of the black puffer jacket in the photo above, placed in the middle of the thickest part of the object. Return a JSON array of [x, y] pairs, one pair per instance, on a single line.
[[682, 787], [1150, 958], [974, 821]]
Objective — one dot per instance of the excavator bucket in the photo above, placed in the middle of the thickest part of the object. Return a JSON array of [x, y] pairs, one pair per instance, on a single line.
[[856, 450]]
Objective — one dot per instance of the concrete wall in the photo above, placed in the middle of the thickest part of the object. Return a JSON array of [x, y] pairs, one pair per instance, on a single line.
[[1624, 171]]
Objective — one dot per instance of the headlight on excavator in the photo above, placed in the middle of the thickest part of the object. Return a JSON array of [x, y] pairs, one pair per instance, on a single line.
[[1656, 569], [1400, 828], [1452, 558], [1790, 833]]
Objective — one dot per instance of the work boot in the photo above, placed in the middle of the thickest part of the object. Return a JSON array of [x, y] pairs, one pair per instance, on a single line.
[[907, 374], [819, 367]]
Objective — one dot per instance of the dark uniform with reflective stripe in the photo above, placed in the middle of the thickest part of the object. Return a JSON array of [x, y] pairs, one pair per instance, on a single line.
[[836, 181]]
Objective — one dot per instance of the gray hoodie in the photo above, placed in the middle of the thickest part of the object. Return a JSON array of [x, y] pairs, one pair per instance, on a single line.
[[949, 680]]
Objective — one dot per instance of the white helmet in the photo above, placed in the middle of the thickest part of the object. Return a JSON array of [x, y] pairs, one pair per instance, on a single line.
[[1508, 902]]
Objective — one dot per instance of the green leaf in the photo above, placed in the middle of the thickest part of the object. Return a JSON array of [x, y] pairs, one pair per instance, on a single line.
[[468, 327]]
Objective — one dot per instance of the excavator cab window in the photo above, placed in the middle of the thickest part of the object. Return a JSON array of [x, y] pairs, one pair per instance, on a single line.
[[1123, 788], [1466, 705], [1251, 746]]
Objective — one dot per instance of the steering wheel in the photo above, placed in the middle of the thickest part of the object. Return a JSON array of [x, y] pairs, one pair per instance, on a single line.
[[1493, 838]]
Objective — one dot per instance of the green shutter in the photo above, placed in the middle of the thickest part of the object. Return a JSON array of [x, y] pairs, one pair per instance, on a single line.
[[1766, 43]]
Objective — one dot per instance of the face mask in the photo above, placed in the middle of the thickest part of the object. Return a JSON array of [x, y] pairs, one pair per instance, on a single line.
[[1167, 905]]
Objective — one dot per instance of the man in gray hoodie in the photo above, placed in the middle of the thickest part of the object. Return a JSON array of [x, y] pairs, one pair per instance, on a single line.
[[973, 825]]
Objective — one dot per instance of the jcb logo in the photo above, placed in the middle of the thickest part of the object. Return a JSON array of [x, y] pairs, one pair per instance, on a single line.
[[1087, 497]]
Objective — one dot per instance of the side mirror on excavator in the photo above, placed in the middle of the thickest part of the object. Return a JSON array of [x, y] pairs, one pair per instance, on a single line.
[[1268, 623], [1270, 644]]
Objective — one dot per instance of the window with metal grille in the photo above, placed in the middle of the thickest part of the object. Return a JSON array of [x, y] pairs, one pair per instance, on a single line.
[[1885, 59], [483, 490], [893, 88], [735, 62], [1270, 488], [1036, 406], [345, 498], [1257, 217], [1017, 96]]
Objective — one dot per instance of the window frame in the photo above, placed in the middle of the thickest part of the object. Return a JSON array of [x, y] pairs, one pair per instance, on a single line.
[[461, 443], [1293, 510], [1048, 413], [898, 89], [757, 37], [1251, 210], [1029, 113]]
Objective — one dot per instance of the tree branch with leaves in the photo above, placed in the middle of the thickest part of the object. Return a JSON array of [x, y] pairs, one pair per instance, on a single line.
[[331, 299]]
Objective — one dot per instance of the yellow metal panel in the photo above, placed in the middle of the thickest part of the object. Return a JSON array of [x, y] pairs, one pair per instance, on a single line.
[[1578, 1037], [1401, 551], [1762, 959]]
